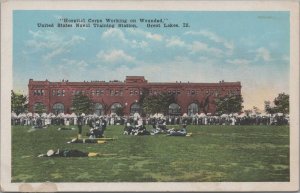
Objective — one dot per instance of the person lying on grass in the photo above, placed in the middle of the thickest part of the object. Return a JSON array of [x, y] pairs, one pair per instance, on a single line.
[[68, 153], [76, 140], [39, 127], [181, 132], [65, 129]]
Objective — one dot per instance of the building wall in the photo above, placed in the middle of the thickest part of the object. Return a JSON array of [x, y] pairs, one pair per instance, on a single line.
[[128, 92]]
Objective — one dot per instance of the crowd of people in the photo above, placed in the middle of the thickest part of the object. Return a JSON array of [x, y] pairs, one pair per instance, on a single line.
[[99, 122], [135, 125], [158, 127]]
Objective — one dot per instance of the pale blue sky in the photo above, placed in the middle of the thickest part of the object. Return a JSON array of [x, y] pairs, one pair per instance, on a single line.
[[251, 47]]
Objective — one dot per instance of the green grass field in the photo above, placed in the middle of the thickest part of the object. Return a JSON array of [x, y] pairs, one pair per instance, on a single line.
[[211, 154]]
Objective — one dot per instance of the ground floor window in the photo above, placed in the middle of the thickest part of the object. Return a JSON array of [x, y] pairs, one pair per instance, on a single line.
[[135, 108], [174, 109], [39, 107], [114, 107], [193, 109], [58, 108], [99, 110]]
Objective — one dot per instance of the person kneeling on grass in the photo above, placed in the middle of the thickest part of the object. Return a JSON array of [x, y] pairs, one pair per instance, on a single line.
[[160, 128], [68, 153], [140, 130], [128, 129], [96, 131], [181, 132]]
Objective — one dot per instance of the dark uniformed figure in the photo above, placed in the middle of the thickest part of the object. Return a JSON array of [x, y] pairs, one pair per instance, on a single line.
[[76, 140], [80, 123], [68, 153], [128, 129]]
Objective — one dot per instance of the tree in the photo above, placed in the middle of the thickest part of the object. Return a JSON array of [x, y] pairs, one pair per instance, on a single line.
[[205, 104], [229, 104], [40, 108], [19, 103], [145, 93], [281, 104], [158, 103], [82, 104], [119, 111], [248, 112], [268, 107], [256, 110]]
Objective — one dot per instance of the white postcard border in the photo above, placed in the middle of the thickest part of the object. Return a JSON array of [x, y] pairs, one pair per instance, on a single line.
[[6, 85]]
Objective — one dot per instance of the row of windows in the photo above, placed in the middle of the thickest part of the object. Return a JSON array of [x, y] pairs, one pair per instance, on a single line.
[[189, 92], [58, 92], [176, 92], [93, 92], [233, 92], [135, 92], [212, 92], [116, 93], [38, 92], [97, 92], [100, 92], [99, 108], [196, 92], [174, 108], [203, 92]]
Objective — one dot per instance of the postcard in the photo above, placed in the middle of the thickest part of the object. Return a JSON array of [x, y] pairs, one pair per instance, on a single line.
[[149, 96]]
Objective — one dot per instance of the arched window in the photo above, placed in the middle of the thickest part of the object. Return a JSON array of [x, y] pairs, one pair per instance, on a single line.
[[99, 110], [174, 109], [193, 109], [39, 108], [114, 107], [58, 108], [135, 108]]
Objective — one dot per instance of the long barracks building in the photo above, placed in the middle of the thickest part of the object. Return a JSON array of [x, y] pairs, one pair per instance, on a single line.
[[190, 97]]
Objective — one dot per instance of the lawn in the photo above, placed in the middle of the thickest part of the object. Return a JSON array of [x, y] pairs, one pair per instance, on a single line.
[[211, 154]]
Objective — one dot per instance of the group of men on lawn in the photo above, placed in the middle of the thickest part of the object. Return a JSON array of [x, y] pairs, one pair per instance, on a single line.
[[157, 128], [97, 130]]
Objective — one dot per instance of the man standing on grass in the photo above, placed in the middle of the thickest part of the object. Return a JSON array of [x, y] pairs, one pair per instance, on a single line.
[[80, 123]]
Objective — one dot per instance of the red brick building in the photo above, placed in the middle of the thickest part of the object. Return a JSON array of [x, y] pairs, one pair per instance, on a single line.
[[190, 97]]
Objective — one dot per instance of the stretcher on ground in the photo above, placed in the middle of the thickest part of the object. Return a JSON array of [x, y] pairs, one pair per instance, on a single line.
[[101, 138]]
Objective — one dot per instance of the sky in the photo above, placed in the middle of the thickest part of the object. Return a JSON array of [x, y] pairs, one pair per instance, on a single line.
[[250, 47]]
